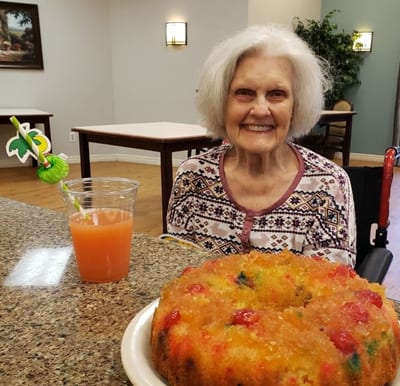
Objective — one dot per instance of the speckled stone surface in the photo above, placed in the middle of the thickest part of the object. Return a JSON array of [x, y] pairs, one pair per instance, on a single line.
[[56, 330], [69, 333]]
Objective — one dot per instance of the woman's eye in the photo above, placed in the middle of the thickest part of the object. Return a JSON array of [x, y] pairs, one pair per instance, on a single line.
[[277, 94], [244, 91], [244, 94]]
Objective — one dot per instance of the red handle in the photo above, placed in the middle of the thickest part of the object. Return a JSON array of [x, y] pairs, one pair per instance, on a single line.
[[390, 156]]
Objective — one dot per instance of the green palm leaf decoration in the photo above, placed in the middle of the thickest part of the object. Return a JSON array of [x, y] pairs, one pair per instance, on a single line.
[[18, 146]]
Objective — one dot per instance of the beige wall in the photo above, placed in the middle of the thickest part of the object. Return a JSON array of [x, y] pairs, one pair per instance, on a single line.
[[105, 61], [282, 11]]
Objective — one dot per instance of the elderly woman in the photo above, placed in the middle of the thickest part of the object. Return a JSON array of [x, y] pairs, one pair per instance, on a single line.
[[258, 190]]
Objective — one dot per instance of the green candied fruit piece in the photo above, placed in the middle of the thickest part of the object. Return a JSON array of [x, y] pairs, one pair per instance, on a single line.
[[354, 364], [372, 347], [299, 314], [388, 336], [243, 279]]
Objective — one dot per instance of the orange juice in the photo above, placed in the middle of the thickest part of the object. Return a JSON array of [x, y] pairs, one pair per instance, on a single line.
[[102, 244]]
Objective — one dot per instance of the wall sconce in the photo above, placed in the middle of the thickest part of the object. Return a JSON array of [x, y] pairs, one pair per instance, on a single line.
[[362, 41], [175, 34]]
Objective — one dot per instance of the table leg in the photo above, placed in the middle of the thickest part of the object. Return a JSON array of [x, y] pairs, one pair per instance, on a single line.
[[166, 182], [347, 142], [31, 126], [47, 132], [84, 154], [46, 124]]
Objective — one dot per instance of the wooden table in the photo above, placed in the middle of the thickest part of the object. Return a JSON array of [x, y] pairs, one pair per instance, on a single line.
[[316, 141], [329, 116], [33, 116], [164, 137]]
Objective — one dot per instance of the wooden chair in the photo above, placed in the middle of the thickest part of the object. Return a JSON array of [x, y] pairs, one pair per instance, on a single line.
[[336, 137]]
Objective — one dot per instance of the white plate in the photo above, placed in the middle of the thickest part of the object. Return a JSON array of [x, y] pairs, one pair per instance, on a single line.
[[136, 352], [396, 382]]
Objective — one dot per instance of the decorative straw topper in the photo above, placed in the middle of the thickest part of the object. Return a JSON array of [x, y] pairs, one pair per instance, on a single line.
[[32, 142]]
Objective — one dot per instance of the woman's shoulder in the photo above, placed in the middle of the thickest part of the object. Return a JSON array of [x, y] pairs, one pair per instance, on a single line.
[[316, 164], [208, 158]]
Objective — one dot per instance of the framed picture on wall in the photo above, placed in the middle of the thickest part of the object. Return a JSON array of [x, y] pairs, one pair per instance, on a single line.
[[20, 43]]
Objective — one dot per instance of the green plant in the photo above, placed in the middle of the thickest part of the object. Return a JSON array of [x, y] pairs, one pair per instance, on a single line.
[[335, 47]]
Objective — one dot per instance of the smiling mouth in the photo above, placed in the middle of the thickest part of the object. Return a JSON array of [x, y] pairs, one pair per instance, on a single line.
[[257, 128]]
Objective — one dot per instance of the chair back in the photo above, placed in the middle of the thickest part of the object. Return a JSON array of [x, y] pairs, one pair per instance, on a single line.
[[343, 105], [339, 128], [366, 183]]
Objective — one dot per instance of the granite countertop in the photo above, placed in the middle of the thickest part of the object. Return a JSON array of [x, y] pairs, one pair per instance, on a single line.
[[56, 330]]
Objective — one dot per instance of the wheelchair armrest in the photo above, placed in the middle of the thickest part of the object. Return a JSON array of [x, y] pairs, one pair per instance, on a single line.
[[375, 265]]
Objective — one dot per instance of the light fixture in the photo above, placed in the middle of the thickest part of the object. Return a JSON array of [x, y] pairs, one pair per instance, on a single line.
[[362, 41], [175, 33]]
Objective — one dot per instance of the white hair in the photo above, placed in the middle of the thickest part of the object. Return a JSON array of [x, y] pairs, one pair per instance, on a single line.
[[311, 76]]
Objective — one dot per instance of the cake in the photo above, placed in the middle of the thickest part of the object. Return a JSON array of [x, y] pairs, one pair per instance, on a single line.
[[263, 319]]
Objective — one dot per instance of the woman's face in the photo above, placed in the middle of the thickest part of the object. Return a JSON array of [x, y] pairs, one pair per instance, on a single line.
[[260, 103]]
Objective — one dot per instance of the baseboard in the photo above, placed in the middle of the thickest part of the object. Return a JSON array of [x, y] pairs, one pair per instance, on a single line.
[[155, 160], [133, 158], [13, 163], [362, 157]]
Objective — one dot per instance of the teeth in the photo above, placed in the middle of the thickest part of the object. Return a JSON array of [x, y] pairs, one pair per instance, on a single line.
[[259, 127]]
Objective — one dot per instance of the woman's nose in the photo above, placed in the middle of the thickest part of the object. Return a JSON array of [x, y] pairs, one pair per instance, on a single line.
[[260, 108]]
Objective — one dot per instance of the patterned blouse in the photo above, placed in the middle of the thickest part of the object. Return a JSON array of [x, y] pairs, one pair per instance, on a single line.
[[314, 217]]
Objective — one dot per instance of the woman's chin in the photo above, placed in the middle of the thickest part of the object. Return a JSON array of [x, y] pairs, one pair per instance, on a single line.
[[260, 148]]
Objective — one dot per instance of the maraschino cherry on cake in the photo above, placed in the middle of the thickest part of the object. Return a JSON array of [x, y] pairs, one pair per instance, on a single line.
[[263, 319]]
